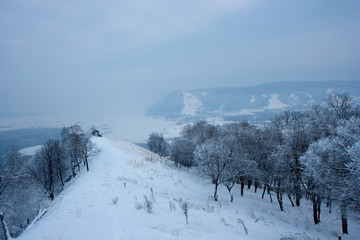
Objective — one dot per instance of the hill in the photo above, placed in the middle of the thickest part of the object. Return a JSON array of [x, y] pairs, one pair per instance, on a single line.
[[255, 103], [109, 202]]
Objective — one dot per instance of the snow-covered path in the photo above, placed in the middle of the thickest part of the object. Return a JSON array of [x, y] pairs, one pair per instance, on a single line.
[[106, 202]]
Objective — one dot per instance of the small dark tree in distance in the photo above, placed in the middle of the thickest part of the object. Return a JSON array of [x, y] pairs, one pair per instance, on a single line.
[[157, 144]]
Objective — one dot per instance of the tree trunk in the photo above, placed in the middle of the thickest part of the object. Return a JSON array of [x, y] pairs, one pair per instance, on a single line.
[[344, 220], [4, 227], [61, 178], [215, 192], [315, 210], [279, 198], [229, 186], [249, 184], [51, 181], [262, 196], [292, 203], [268, 191], [86, 163], [73, 167], [328, 204], [319, 208], [297, 198], [256, 185], [78, 164], [242, 185], [298, 180]]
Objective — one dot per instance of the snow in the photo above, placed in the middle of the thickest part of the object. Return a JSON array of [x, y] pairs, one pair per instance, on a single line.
[[106, 203], [275, 103], [329, 90], [293, 97], [252, 100], [243, 112], [192, 105], [30, 150]]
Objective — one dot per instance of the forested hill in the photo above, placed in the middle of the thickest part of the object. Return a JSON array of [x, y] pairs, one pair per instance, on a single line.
[[255, 103]]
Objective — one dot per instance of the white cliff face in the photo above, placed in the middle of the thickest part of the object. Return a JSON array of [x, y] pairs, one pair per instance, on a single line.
[[253, 99], [192, 105]]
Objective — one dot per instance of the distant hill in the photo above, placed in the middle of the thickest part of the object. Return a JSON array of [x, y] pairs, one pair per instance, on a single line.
[[255, 103]]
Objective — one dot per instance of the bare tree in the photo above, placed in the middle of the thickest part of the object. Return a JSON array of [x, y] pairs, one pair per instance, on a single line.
[[14, 181], [48, 167], [341, 104], [182, 152], [88, 149]]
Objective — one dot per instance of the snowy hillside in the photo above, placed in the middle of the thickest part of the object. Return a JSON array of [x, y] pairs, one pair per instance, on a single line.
[[256, 103], [108, 203], [192, 105]]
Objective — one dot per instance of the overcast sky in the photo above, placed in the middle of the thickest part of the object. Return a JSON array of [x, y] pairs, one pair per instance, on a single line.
[[117, 55]]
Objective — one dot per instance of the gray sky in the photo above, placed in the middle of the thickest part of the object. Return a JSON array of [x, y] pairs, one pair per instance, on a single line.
[[120, 56]]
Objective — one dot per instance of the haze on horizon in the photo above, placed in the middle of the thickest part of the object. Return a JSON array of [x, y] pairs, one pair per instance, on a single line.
[[120, 56]]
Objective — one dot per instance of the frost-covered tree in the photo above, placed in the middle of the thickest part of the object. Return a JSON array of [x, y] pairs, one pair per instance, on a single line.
[[182, 148], [19, 193], [214, 160], [332, 163], [246, 144], [296, 140], [12, 167], [72, 140], [3, 180], [353, 178], [320, 122]]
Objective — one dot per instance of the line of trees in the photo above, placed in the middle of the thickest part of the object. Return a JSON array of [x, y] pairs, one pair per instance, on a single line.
[[312, 154], [26, 184]]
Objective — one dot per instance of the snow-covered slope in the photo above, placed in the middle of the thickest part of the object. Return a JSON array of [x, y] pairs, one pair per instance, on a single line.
[[29, 151], [107, 203], [192, 105]]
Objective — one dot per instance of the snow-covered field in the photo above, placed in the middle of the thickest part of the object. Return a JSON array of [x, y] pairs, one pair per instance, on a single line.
[[108, 203]]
